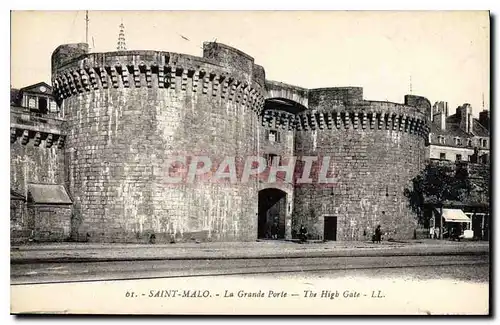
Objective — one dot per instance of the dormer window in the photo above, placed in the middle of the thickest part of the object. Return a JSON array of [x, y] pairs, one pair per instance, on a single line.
[[469, 143], [484, 143], [458, 141], [38, 99], [441, 139]]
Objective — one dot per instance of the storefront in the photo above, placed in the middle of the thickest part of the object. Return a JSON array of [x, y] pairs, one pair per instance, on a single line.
[[456, 225]]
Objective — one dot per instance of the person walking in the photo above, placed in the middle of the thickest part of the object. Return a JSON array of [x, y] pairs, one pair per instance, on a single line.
[[378, 234]]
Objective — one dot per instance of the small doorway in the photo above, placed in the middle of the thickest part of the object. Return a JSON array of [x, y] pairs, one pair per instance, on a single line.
[[330, 232]]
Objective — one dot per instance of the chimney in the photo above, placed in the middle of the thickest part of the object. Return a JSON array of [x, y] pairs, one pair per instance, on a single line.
[[484, 119], [465, 117], [440, 120], [440, 112]]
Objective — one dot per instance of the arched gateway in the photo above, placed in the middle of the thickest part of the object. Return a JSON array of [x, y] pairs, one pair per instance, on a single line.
[[272, 211]]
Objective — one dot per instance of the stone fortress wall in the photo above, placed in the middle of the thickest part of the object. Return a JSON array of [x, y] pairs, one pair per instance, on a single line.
[[127, 112]]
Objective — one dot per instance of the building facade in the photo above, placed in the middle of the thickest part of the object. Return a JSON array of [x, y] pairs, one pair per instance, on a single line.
[[40, 206], [460, 136], [461, 141], [105, 150]]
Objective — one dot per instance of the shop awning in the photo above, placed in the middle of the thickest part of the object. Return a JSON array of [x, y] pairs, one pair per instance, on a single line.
[[455, 215]]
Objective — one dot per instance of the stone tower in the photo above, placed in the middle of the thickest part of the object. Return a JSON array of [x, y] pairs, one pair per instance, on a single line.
[[128, 112], [376, 148]]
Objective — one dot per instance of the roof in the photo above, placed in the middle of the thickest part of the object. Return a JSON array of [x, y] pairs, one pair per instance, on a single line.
[[16, 195], [48, 194], [453, 128], [37, 88], [455, 215], [479, 129], [457, 204]]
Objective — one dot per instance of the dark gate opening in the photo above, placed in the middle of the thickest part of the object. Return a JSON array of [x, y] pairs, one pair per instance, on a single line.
[[272, 213], [330, 228]]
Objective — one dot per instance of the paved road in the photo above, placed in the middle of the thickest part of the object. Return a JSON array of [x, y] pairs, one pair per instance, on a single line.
[[467, 267], [89, 252]]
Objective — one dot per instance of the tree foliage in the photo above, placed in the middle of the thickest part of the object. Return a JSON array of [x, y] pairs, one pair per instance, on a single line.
[[436, 184]]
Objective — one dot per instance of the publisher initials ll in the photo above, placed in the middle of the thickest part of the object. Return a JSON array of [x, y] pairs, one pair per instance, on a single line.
[[378, 294]]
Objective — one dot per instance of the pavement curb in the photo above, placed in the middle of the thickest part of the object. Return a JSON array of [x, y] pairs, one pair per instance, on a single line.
[[52, 260]]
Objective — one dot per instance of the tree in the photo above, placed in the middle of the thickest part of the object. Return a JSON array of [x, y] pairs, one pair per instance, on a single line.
[[436, 184]]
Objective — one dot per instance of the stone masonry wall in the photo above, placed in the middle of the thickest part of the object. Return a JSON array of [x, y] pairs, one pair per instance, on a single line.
[[30, 164], [36, 154], [124, 123], [284, 148], [50, 222], [376, 148], [128, 112]]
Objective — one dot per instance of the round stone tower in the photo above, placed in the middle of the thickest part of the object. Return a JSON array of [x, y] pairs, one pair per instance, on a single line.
[[375, 149], [128, 112]]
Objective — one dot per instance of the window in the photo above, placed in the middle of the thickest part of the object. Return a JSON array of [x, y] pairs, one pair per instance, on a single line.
[[469, 142], [484, 143], [470, 158], [458, 158], [53, 107], [273, 136], [458, 141], [31, 103], [441, 139], [484, 159], [442, 156], [270, 157]]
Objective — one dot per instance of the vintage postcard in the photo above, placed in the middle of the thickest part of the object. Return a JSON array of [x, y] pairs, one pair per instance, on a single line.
[[250, 162]]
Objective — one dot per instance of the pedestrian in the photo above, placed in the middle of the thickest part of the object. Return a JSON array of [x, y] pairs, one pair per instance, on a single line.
[[274, 231], [431, 232], [436, 233], [303, 233], [378, 234]]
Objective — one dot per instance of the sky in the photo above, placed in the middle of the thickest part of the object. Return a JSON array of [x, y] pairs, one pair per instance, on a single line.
[[445, 54]]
